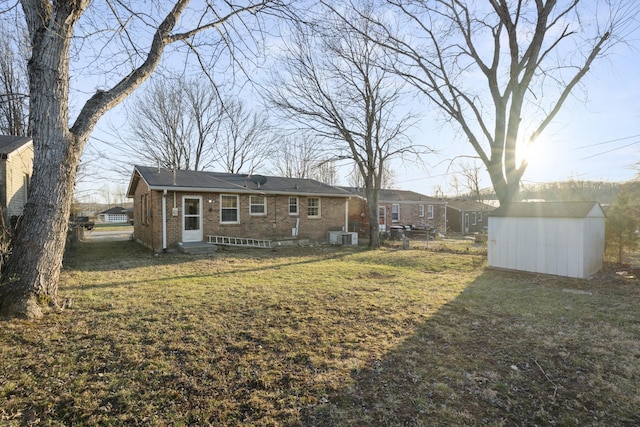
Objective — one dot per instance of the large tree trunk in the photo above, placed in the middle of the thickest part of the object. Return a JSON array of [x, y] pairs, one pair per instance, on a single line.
[[30, 279], [373, 197]]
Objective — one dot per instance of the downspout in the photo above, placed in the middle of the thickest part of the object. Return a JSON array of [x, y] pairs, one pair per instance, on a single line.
[[444, 232], [346, 214], [164, 221]]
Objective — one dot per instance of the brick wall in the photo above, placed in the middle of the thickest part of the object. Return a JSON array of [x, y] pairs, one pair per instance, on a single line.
[[275, 224]]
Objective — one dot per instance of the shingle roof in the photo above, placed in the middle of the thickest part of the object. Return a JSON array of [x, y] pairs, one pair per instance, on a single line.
[[9, 144], [183, 180], [116, 210], [547, 209], [468, 205]]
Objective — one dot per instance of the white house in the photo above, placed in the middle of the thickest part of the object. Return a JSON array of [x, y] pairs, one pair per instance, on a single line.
[[559, 238]]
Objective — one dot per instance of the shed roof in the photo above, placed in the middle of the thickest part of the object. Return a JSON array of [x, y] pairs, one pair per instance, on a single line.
[[9, 144], [184, 180], [550, 210]]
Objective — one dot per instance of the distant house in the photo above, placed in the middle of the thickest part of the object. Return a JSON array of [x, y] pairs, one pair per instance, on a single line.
[[559, 238], [397, 208], [16, 169], [188, 206], [117, 214], [467, 216]]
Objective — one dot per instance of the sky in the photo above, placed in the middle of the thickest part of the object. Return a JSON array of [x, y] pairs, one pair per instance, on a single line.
[[596, 136]]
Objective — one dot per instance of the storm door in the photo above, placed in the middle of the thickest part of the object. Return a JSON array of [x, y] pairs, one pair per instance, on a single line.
[[192, 219], [382, 218]]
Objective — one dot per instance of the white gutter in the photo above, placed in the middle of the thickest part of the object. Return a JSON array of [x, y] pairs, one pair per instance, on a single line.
[[164, 221]]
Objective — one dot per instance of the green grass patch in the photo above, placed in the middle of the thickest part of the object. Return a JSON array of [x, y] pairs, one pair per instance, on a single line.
[[322, 336]]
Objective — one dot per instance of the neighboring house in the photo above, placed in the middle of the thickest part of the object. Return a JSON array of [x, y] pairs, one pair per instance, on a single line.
[[117, 214], [397, 208], [559, 238], [467, 216], [171, 207], [16, 169]]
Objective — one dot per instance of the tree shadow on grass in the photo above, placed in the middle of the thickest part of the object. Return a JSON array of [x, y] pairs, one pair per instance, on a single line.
[[511, 350]]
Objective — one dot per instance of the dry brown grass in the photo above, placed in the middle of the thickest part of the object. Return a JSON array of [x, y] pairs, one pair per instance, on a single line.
[[323, 336]]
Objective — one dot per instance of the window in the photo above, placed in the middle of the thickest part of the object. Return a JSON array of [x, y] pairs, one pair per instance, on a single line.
[[421, 211], [257, 205], [430, 212], [474, 220], [293, 206], [395, 212], [229, 209], [144, 209], [479, 216], [313, 207]]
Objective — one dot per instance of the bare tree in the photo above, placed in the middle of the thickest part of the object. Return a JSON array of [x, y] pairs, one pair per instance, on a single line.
[[245, 139], [14, 98], [330, 85], [501, 70], [174, 124], [471, 179], [297, 156], [122, 60], [325, 171]]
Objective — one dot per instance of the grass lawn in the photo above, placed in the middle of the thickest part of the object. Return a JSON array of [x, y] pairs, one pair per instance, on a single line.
[[322, 336]]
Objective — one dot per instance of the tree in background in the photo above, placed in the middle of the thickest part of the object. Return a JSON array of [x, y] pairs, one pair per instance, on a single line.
[[100, 35], [329, 84], [297, 156], [500, 70], [621, 230], [14, 97], [244, 141], [173, 124]]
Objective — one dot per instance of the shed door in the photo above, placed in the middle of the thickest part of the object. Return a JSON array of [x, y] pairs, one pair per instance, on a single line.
[[192, 219]]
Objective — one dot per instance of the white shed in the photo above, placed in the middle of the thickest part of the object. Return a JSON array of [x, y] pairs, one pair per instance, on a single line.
[[560, 238]]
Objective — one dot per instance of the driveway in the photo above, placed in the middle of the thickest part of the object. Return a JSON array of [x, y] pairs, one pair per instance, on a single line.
[[108, 235]]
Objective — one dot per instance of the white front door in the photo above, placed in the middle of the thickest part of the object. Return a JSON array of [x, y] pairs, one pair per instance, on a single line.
[[192, 219]]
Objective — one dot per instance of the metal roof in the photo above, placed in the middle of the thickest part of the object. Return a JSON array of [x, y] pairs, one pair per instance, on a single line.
[[185, 180], [549, 210]]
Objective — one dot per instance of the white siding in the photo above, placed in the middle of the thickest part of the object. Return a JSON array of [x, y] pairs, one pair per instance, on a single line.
[[561, 246]]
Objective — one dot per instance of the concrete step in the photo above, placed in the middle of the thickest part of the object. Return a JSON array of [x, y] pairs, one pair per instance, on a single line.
[[196, 248]]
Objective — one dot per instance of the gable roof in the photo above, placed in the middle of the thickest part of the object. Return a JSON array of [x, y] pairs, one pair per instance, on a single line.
[[9, 144], [468, 205], [116, 210], [550, 210], [200, 181]]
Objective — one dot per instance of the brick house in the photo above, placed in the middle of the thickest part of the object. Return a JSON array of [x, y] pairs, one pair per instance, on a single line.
[[397, 208], [467, 216], [172, 207], [16, 169]]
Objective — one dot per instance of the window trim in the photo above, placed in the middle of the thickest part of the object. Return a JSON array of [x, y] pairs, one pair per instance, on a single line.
[[431, 211], [421, 211], [237, 208], [395, 216], [474, 220], [479, 216], [319, 207], [296, 205], [263, 204]]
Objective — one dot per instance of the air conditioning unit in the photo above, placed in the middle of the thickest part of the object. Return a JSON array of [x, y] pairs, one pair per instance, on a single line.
[[346, 238]]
